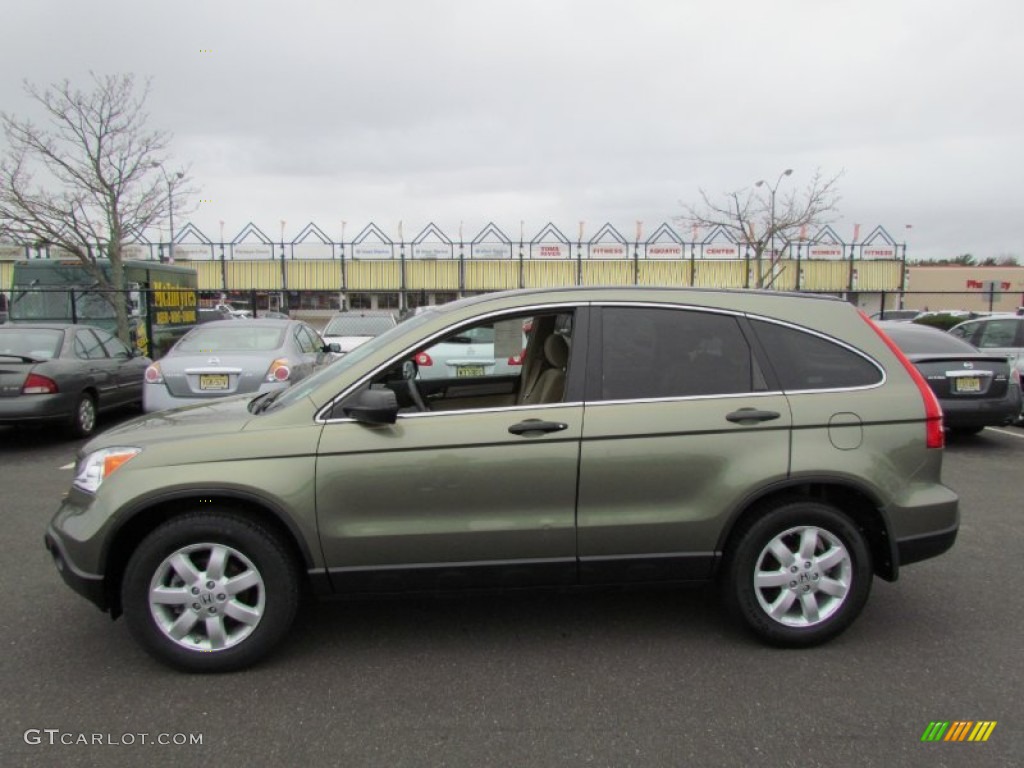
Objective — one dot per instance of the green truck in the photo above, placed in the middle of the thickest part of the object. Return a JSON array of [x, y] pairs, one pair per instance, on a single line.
[[161, 298]]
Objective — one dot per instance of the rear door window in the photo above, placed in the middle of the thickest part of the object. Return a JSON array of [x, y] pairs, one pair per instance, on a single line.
[[665, 353], [806, 361]]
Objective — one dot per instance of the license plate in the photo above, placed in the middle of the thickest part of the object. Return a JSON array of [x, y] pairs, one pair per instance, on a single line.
[[469, 370], [967, 384], [213, 381]]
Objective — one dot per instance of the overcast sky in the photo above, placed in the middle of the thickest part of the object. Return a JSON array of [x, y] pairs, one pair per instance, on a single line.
[[472, 111]]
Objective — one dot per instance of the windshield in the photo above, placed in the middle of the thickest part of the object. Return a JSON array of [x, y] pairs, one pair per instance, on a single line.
[[235, 337], [38, 344], [358, 325], [302, 388]]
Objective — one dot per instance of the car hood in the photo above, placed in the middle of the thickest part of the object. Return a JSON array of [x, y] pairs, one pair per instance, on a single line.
[[224, 415]]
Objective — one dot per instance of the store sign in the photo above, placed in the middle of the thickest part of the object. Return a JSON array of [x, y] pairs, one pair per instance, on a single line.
[[315, 250], [193, 252], [822, 251], [12, 252], [491, 251], [550, 251], [609, 251], [879, 252], [253, 251], [373, 250], [665, 251], [721, 251], [136, 252], [431, 251]]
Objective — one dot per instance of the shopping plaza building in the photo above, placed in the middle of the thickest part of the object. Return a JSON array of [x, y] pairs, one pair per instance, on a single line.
[[385, 270]]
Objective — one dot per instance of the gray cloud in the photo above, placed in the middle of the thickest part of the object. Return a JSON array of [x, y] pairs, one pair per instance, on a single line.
[[547, 110]]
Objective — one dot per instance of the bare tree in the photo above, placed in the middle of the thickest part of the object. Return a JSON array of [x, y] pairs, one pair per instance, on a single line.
[[765, 220], [89, 180]]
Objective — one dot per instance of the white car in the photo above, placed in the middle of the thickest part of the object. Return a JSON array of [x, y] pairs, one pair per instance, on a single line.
[[350, 329], [471, 353]]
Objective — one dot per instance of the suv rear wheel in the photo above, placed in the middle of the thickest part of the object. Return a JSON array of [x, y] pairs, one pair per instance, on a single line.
[[799, 574], [210, 592]]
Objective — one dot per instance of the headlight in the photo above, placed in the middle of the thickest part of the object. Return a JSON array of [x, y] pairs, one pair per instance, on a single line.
[[93, 469]]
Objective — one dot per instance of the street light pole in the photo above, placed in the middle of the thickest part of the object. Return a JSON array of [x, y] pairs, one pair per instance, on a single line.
[[170, 206], [773, 190]]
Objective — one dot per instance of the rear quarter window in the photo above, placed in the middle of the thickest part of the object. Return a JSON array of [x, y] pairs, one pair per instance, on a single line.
[[806, 361]]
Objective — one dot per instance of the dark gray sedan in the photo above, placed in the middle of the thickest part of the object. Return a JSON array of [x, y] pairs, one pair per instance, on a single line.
[[975, 389], [65, 374], [234, 357]]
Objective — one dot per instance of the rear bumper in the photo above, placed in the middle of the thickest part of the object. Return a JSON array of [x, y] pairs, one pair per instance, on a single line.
[[28, 409], [155, 397], [982, 413], [917, 548]]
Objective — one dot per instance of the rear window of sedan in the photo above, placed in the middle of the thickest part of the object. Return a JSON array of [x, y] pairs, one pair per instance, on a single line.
[[37, 344], [237, 337], [927, 341], [359, 325]]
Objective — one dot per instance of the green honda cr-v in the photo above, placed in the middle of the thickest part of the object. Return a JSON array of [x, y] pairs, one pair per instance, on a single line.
[[778, 443]]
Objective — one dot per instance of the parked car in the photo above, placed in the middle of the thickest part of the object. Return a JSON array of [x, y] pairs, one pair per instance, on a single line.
[[230, 312], [975, 389], [471, 353], [65, 374], [234, 357], [998, 334], [209, 314], [350, 329], [781, 444], [896, 315]]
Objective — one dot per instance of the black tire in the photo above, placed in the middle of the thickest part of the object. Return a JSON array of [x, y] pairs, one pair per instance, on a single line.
[[84, 415], [256, 580], [818, 596]]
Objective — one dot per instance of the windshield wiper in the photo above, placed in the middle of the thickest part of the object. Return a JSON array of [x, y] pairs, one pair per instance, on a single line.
[[23, 358]]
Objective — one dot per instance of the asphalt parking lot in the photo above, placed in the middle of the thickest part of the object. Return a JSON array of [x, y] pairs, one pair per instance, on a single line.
[[644, 678]]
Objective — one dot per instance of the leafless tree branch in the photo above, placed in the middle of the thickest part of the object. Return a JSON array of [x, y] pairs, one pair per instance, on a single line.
[[91, 177]]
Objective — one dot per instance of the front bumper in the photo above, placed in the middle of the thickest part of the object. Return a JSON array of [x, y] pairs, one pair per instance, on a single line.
[[88, 585]]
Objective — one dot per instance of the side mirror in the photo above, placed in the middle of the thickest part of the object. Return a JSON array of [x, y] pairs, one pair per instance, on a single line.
[[333, 347], [408, 370], [373, 406]]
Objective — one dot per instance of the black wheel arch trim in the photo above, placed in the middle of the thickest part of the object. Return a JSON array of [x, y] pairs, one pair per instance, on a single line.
[[138, 506], [888, 570]]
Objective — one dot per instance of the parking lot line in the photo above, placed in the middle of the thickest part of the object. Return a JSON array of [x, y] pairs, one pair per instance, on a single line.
[[1018, 435]]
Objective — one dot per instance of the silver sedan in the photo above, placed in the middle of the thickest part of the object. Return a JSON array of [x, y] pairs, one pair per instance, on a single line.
[[234, 357]]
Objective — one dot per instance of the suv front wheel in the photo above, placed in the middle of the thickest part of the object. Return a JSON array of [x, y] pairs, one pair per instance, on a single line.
[[209, 592], [799, 573]]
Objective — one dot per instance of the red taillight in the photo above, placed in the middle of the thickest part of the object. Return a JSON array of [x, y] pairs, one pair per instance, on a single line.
[[517, 359], [279, 370], [423, 359], [39, 385], [153, 374], [935, 435]]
